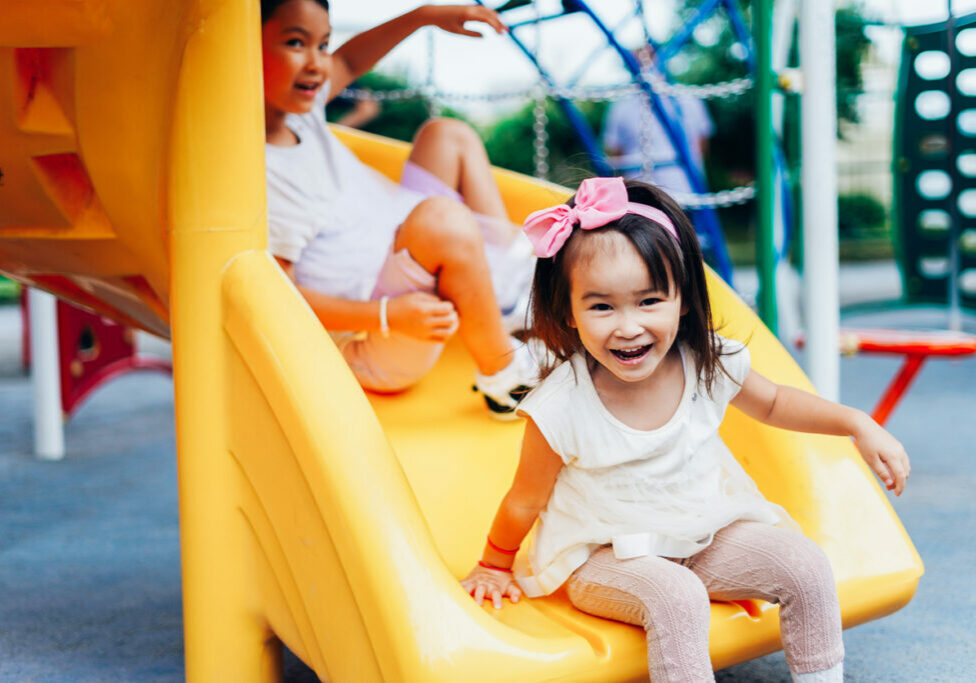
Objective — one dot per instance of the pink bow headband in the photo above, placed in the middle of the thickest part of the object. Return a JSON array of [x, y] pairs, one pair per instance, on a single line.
[[598, 202]]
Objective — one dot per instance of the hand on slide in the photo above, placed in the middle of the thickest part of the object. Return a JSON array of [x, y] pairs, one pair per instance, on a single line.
[[451, 18], [483, 582], [885, 455], [423, 316]]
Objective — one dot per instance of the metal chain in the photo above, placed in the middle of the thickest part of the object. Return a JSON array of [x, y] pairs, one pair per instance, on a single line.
[[540, 146], [600, 93], [647, 115], [540, 119], [716, 200]]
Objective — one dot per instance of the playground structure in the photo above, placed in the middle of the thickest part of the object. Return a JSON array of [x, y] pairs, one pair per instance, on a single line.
[[935, 164], [310, 513], [934, 189], [88, 351]]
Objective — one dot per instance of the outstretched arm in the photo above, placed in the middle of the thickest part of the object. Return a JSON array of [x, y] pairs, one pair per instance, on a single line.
[[360, 53], [801, 411], [538, 468]]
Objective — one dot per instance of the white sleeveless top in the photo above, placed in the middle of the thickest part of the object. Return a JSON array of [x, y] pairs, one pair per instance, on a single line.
[[660, 492]]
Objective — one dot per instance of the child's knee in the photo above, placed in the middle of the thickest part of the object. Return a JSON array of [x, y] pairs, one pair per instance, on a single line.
[[444, 129], [807, 568], [445, 220], [677, 596]]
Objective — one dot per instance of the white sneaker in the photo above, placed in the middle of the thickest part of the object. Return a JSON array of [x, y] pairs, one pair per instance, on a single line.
[[503, 390]]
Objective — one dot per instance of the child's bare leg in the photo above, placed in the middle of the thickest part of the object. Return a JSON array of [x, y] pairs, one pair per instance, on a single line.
[[453, 152], [443, 237]]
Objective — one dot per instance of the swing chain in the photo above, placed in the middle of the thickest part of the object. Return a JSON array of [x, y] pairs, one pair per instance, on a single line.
[[604, 93], [716, 200], [540, 118]]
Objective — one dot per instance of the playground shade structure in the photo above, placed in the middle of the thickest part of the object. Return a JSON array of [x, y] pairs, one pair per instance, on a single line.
[[132, 159]]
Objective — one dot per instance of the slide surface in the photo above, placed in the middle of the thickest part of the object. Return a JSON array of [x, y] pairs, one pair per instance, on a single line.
[[311, 513]]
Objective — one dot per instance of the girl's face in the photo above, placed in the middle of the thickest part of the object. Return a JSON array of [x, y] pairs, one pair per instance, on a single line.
[[623, 321], [295, 51]]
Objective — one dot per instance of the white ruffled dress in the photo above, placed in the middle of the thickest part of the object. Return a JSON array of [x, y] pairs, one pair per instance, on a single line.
[[661, 492]]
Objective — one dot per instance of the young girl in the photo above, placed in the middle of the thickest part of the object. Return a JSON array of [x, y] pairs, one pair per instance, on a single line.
[[392, 271], [643, 511]]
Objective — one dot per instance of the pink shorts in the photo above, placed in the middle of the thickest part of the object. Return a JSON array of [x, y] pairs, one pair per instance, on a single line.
[[394, 363]]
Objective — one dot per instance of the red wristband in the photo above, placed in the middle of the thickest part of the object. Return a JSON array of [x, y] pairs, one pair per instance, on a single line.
[[482, 563], [500, 550]]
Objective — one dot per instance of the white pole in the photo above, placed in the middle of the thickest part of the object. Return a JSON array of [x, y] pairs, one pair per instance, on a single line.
[[48, 427], [819, 179]]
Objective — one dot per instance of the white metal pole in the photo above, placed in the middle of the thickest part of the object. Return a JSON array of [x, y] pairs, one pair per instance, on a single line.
[[48, 427], [819, 178]]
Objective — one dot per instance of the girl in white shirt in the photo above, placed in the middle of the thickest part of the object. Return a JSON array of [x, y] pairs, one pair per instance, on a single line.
[[642, 510], [392, 271]]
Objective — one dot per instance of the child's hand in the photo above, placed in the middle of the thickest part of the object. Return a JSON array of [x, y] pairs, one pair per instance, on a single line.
[[423, 316], [884, 454], [451, 18], [492, 583]]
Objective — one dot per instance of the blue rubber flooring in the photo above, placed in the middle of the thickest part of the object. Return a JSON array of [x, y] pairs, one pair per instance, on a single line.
[[89, 547]]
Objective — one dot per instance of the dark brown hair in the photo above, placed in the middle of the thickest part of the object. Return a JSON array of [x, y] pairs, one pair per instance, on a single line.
[[268, 7], [666, 262]]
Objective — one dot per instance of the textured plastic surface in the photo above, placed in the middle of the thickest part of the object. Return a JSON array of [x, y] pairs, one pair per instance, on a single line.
[[131, 146]]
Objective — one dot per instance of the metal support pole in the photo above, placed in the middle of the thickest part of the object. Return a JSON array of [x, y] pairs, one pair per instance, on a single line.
[[765, 171], [48, 428], [955, 148], [819, 180]]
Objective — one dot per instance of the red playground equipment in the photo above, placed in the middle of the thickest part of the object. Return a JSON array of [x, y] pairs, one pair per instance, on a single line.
[[915, 345], [91, 351]]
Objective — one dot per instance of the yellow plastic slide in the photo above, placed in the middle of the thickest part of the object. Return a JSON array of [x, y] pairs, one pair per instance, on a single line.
[[132, 182]]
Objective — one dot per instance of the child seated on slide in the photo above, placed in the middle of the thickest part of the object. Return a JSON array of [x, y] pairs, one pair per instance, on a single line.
[[392, 271], [642, 510]]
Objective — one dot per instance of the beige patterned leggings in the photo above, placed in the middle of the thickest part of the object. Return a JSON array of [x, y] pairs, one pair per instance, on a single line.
[[670, 598]]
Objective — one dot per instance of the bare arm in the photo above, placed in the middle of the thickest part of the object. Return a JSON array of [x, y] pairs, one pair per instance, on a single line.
[[417, 314], [798, 410], [534, 479], [360, 53]]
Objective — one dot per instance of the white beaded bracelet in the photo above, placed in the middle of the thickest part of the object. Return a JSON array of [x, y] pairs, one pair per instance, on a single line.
[[384, 322]]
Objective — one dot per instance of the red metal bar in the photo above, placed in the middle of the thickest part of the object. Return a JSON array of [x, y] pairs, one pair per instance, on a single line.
[[898, 387]]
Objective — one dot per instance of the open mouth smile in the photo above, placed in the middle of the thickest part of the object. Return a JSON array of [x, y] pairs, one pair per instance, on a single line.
[[308, 89], [631, 356]]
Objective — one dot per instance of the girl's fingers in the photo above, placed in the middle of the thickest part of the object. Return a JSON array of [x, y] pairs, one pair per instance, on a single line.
[[885, 473], [467, 32], [479, 593], [496, 598], [897, 466], [492, 19], [514, 593]]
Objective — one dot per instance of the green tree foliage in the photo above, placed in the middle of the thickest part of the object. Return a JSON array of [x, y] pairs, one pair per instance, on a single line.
[[860, 215]]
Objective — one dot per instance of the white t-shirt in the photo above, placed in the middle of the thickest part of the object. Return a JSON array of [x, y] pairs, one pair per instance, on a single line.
[[661, 492], [328, 213]]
